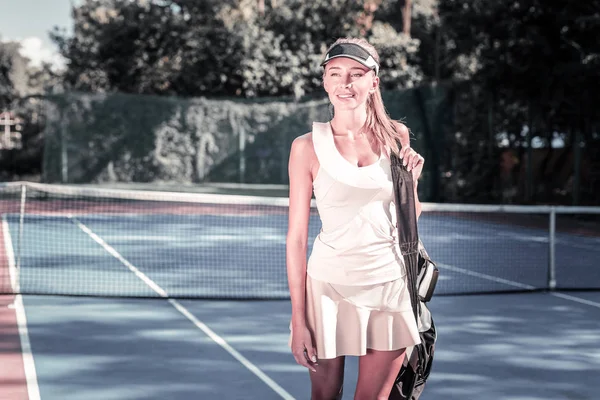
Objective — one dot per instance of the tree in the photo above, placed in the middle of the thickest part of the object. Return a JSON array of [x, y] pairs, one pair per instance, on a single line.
[[13, 74], [19, 84], [534, 65], [217, 48]]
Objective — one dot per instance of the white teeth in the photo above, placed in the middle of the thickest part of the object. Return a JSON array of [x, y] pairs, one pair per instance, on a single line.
[[345, 96]]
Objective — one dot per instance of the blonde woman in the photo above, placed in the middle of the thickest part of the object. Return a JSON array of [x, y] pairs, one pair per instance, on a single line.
[[350, 297]]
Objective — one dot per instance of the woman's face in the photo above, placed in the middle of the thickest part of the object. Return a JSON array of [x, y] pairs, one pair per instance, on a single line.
[[348, 83]]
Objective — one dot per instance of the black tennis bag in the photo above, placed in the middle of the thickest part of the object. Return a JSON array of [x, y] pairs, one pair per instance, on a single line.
[[416, 368], [422, 275]]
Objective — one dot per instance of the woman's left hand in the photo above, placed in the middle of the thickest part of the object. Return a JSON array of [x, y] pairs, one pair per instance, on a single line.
[[413, 161]]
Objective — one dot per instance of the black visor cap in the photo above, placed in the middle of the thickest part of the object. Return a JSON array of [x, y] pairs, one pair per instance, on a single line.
[[354, 52]]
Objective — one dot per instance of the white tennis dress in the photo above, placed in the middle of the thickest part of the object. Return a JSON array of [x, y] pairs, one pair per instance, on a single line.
[[356, 296]]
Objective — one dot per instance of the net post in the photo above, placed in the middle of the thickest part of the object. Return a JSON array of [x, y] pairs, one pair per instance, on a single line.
[[551, 249], [242, 160], [64, 156], [20, 239]]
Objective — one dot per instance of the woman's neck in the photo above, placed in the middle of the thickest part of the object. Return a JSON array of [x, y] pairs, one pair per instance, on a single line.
[[349, 122]]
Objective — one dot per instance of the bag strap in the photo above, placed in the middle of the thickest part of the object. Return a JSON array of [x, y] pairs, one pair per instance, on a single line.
[[406, 221]]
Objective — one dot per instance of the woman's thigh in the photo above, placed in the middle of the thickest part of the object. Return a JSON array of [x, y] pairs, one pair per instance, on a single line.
[[377, 371], [327, 382]]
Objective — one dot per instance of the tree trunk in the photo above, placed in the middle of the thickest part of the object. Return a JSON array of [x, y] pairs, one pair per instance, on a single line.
[[261, 7], [490, 124], [529, 189], [406, 17]]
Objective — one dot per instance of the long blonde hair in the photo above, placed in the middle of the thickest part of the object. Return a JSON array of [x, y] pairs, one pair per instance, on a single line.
[[378, 122]]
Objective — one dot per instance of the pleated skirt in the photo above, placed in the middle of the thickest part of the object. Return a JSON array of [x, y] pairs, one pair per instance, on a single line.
[[348, 320]]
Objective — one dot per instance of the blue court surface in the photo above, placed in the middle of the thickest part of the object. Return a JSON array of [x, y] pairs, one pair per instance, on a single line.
[[509, 346], [513, 346]]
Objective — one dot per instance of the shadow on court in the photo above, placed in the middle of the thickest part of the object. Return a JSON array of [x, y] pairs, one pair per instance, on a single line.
[[512, 346]]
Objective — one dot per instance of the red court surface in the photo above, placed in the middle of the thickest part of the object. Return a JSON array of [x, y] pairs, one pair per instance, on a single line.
[[13, 385]]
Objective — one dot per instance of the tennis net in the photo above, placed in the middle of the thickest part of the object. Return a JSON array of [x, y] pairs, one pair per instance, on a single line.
[[70, 240]]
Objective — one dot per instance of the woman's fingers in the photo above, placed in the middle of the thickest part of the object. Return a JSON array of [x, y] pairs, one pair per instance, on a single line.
[[311, 354], [415, 161], [303, 350], [302, 358], [403, 151], [410, 158], [406, 153], [311, 359]]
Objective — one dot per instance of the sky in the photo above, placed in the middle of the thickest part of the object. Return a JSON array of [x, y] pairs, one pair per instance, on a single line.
[[29, 21]]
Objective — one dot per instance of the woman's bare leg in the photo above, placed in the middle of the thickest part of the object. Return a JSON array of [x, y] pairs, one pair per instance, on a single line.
[[327, 382], [377, 371]]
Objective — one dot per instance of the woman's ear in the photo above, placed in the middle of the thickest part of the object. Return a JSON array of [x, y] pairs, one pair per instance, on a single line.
[[375, 84]]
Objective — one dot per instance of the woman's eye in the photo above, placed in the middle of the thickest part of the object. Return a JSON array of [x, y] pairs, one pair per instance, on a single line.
[[357, 75]]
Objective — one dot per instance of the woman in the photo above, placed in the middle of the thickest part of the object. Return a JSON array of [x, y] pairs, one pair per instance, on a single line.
[[351, 297]]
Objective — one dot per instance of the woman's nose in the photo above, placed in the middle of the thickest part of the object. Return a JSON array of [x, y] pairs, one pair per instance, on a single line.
[[346, 81]]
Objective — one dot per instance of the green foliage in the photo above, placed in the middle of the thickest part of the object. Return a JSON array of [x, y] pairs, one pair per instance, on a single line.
[[8, 91], [19, 82], [420, 51], [533, 73], [522, 70], [25, 161], [218, 48], [140, 138], [540, 54]]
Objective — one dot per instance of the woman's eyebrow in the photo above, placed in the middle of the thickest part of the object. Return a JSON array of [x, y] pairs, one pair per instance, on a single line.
[[358, 68]]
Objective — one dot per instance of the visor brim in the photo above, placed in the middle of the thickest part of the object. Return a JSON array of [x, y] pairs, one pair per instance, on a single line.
[[373, 66]]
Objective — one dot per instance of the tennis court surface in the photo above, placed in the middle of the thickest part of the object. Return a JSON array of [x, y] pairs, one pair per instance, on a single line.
[[121, 294]]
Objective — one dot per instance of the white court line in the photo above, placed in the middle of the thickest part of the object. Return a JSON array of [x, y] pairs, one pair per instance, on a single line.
[[488, 277], [576, 299], [185, 312], [517, 284], [10, 254], [565, 241], [580, 245], [33, 390]]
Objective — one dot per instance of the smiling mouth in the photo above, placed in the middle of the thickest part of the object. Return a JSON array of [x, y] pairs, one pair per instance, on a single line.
[[345, 96]]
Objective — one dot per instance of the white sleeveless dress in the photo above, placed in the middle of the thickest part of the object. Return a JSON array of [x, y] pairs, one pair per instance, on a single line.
[[356, 296]]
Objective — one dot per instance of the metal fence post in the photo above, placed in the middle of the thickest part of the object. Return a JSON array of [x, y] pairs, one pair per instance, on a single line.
[[64, 157], [20, 239], [242, 153], [551, 249]]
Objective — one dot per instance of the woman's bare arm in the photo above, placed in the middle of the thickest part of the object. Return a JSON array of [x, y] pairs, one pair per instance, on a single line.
[[300, 175], [301, 164]]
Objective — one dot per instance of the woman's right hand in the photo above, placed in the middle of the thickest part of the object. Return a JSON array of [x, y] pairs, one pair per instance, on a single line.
[[302, 348]]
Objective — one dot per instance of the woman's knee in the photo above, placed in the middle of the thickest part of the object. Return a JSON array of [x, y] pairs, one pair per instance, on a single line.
[[327, 389], [369, 396], [329, 393], [327, 382]]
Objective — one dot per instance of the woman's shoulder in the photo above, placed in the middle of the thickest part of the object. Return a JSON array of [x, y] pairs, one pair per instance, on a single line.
[[303, 140], [401, 128], [302, 153], [403, 133], [303, 145]]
